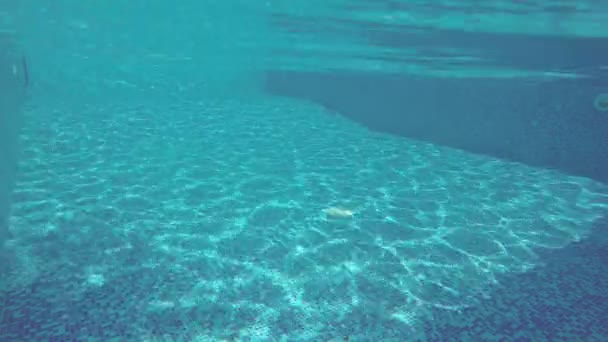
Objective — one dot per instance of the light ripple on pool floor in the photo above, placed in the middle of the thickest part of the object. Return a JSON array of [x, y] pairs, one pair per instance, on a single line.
[[220, 207]]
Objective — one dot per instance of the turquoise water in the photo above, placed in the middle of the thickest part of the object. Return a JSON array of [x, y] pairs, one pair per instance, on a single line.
[[162, 195]]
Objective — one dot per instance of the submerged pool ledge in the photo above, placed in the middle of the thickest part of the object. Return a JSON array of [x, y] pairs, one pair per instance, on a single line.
[[542, 124]]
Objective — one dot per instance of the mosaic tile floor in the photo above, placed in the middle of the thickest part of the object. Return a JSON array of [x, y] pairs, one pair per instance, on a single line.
[[208, 221]]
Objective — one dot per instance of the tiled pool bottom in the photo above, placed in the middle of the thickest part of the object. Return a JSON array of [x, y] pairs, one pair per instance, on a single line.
[[205, 222], [563, 301]]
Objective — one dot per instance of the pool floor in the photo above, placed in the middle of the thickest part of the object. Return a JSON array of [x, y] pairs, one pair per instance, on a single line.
[[274, 220]]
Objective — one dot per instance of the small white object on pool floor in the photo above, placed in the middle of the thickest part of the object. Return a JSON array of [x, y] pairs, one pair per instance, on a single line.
[[337, 212]]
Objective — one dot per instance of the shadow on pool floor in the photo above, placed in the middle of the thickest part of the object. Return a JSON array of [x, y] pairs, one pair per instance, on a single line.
[[566, 299]]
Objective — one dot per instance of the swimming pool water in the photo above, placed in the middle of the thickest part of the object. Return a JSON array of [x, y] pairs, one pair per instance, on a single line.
[[201, 221], [163, 196]]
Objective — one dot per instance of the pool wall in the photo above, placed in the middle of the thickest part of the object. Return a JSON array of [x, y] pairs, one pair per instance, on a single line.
[[548, 124]]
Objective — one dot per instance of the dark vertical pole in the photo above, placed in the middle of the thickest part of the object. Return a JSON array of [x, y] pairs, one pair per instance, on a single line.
[[14, 79]]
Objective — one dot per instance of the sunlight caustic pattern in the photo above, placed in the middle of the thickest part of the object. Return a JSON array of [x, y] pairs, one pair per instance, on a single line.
[[147, 208], [216, 214]]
